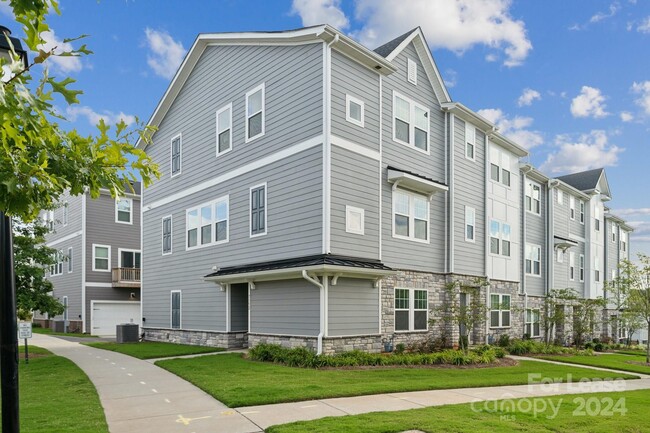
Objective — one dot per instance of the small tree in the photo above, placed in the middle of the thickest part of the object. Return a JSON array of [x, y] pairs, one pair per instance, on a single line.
[[617, 291], [553, 311], [584, 318], [639, 297]]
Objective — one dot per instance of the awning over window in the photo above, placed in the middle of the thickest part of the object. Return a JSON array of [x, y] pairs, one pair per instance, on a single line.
[[564, 243], [415, 182]]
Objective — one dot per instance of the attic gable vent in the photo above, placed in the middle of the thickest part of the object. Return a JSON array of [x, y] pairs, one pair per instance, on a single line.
[[412, 74]]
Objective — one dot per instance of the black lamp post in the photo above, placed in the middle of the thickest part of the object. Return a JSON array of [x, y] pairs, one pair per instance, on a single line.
[[8, 327]]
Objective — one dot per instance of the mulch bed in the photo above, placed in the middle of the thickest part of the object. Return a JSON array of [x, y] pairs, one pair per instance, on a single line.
[[645, 364], [503, 362], [21, 355]]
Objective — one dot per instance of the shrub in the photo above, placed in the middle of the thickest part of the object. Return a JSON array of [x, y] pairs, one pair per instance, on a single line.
[[504, 340], [399, 348], [599, 347]]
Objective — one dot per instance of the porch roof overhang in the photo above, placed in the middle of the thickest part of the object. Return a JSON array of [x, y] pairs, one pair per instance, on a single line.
[[415, 181], [564, 243]]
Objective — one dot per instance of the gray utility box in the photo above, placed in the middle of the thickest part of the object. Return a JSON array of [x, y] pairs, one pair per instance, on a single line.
[[127, 333], [58, 325]]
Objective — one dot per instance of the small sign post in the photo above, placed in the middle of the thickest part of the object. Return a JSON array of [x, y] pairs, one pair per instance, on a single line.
[[25, 332]]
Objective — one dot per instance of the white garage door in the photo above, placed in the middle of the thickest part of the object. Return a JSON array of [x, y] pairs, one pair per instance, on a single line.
[[107, 315]]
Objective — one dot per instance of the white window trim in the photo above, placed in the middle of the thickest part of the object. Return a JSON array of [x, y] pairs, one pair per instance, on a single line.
[[412, 217], [58, 266], [533, 184], [213, 230], [572, 208], [412, 105], [70, 262], [581, 268], [472, 211], [560, 197], [348, 99], [66, 306], [180, 309], [581, 211], [171, 235], [66, 214], [531, 323], [572, 264], [266, 211], [559, 255], [127, 250], [501, 296], [470, 127], [501, 239], [171, 155], [117, 200], [227, 107], [532, 262], [348, 211], [411, 309], [263, 111], [109, 258], [614, 228]]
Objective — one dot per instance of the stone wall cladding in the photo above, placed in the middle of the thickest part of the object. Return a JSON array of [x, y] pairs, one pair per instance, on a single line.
[[288, 341], [365, 343], [226, 340]]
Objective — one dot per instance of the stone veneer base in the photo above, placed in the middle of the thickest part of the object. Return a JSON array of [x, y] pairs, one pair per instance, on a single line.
[[226, 340]]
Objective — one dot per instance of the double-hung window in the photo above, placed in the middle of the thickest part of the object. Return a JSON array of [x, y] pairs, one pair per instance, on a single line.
[[499, 310], [582, 212], [572, 208], [207, 224], [255, 113], [177, 148], [560, 197], [470, 140], [533, 260], [124, 210], [354, 110], [69, 259], [596, 219], [411, 310], [572, 265], [532, 322], [597, 269], [614, 228], [224, 129], [57, 267], [167, 235], [175, 309], [533, 197], [623, 241], [582, 267], [410, 216], [499, 238], [470, 223], [258, 210], [495, 172], [101, 258], [410, 123]]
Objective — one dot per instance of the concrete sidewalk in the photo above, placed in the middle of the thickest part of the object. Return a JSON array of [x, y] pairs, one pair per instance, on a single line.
[[139, 397]]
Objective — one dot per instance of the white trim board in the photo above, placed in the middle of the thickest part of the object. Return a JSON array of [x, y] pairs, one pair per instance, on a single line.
[[356, 148], [65, 238]]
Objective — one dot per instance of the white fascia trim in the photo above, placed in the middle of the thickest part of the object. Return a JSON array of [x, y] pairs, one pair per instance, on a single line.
[[277, 156], [345, 271], [91, 284], [356, 148], [66, 238]]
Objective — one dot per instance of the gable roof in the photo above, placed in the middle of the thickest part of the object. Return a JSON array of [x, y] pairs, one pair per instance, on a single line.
[[588, 181], [391, 46]]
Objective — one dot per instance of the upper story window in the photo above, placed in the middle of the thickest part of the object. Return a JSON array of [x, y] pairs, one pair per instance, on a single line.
[[560, 197], [572, 208], [582, 212], [130, 259], [614, 228], [224, 129], [411, 310], [176, 151], [57, 268], [572, 265], [354, 110], [533, 197], [258, 210], [560, 255], [65, 214], [596, 219], [470, 141], [412, 72], [410, 216], [207, 224], [175, 309], [499, 310], [582, 267], [410, 123], [495, 172], [533, 260], [124, 210], [255, 113], [597, 269], [500, 166], [101, 258], [623, 241], [70, 260], [499, 238], [470, 223], [48, 219], [354, 220], [167, 235]]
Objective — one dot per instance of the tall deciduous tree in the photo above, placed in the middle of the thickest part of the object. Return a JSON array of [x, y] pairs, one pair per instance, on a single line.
[[639, 297]]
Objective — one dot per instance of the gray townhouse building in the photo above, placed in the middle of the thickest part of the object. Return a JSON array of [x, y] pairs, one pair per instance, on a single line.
[[318, 193], [97, 274]]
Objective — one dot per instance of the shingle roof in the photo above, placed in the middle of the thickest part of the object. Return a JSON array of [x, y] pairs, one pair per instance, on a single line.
[[322, 259], [583, 181], [390, 167], [390, 46]]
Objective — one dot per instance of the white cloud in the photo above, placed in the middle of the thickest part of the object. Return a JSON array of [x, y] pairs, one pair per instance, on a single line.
[[74, 112], [454, 25], [626, 116], [528, 96], [644, 26], [589, 103], [451, 78], [600, 16], [589, 151], [643, 211], [166, 55], [313, 12], [66, 64], [643, 90], [514, 128]]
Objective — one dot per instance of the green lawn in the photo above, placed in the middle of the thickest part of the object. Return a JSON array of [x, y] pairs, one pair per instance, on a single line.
[[57, 396], [610, 360], [239, 382], [152, 349], [461, 418], [48, 331]]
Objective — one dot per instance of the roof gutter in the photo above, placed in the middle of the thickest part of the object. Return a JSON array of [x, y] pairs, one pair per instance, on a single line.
[[323, 310]]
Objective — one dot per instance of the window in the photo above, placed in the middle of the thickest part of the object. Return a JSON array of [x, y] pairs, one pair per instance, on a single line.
[[354, 220], [614, 228], [176, 309], [572, 208], [532, 323], [410, 123], [596, 219], [494, 237], [499, 238], [505, 177], [412, 72], [533, 260], [411, 310], [623, 241], [65, 214], [65, 307], [597, 269], [470, 140], [206, 224], [410, 216], [572, 265], [505, 240], [70, 260], [560, 197], [101, 258], [470, 223], [255, 113], [224, 129], [129, 259], [123, 210], [354, 110], [48, 219], [167, 235], [177, 146], [560, 255], [57, 267], [494, 172], [499, 310], [533, 203], [582, 212], [582, 267], [258, 210]]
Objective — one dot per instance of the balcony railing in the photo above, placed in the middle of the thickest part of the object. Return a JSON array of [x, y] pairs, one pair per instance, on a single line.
[[126, 277]]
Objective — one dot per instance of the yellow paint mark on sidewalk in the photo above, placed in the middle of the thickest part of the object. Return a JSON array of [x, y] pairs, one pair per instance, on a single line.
[[186, 421]]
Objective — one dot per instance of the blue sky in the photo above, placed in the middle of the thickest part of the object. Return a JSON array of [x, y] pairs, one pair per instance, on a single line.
[[570, 80]]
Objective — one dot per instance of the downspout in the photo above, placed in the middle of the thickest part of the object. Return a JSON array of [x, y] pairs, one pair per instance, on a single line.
[[316, 283], [83, 265], [522, 256], [447, 144], [451, 192], [327, 147], [550, 249]]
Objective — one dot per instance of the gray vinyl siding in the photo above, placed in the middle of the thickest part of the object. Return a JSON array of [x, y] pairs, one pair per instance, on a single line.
[[561, 221], [74, 217], [611, 250], [107, 294], [239, 307], [536, 235], [293, 78], [102, 229], [399, 253], [349, 77], [353, 307], [287, 307], [354, 183], [575, 227], [469, 180], [69, 284]]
